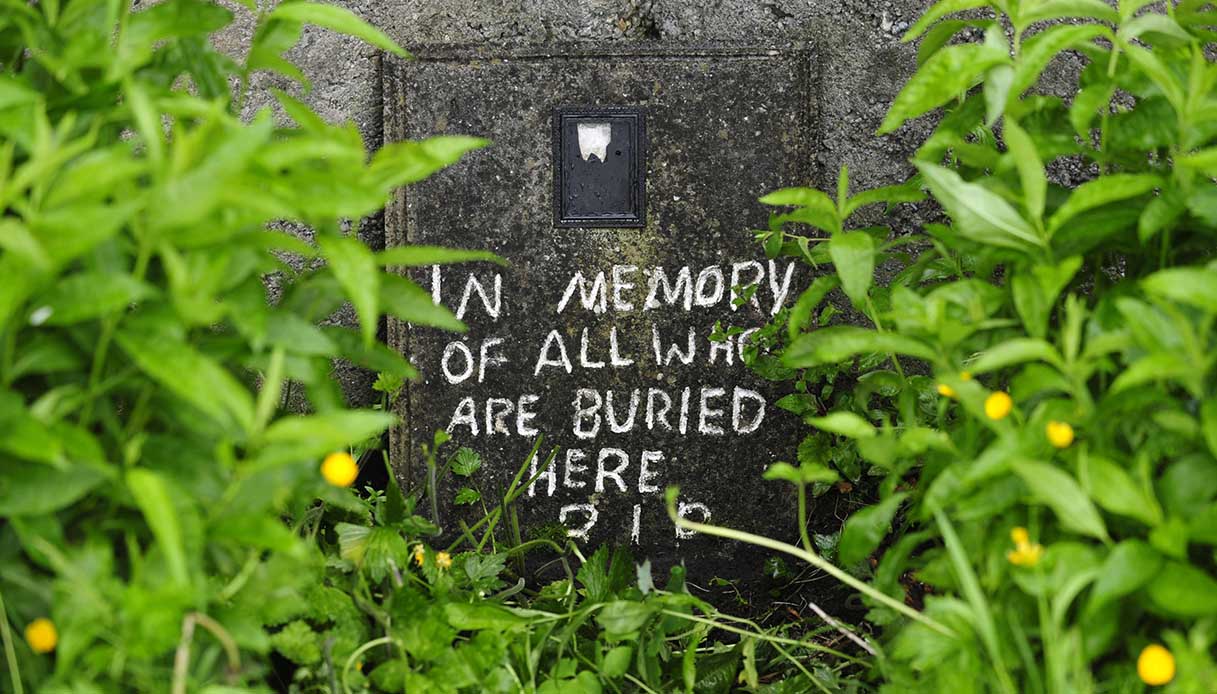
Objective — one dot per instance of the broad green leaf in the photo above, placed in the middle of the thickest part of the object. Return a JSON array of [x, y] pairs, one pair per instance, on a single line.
[[1154, 28], [937, 11], [853, 255], [997, 91], [355, 268], [34, 489], [943, 32], [1161, 213], [979, 214], [155, 501], [1188, 285], [399, 163], [1031, 12], [621, 617], [808, 302], [1115, 490], [402, 298], [946, 75], [905, 192], [1129, 566], [376, 357], [1058, 490], [800, 197], [1030, 168], [337, 19], [414, 256], [866, 528], [15, 92], [1016, 351], [1040, 49], [297, 335], [1102, 191], [617, 661], [846, 424], [1160, 366], [1208, 423], [805, 473], [838, 343], [86, 295], [1182, 590], [271, 40], [191, 376], [330, 431]]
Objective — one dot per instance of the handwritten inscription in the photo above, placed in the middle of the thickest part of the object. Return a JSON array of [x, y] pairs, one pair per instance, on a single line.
[[590, 474]]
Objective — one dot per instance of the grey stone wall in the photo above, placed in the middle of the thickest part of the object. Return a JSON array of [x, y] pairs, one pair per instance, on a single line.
[[861, 64]]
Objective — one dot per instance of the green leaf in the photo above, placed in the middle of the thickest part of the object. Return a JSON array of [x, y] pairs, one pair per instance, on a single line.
[[33, 489], [839, 343], [1159, 366], [415, 256], [191, 376], [1153, 67], [905, 192], [853, 255], [1208, 423], [1155, 28], [337, 19], [1114, 489], [1130, 565], [1030, 168], [1188, 285], [617, 661], [979, 214], [937, 11], [1102, 191], [329, 431], [946, 75], [1040, 49], [406, 300], [155, 501], [1182, 590], [1086, 103], [355, 268], [1015, 351], [482, 615], [466, 497], [1058, 490], [1046, 10], [466, 462], [866, 528], [621, 617], [399, 163], [846, 424], [808, 302]]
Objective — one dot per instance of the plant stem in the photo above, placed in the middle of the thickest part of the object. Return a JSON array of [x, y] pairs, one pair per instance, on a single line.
[[803, 518], [816, 561], [10, 654]]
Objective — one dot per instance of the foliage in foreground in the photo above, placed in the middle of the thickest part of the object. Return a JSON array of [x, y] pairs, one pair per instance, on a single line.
[[1035, 398]]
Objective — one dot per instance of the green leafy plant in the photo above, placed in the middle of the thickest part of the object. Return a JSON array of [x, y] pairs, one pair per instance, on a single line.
[[147, 459], [1034, 398]]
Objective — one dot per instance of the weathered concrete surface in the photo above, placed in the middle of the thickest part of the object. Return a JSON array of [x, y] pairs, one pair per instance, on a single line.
[[722, 123], [860, 64]]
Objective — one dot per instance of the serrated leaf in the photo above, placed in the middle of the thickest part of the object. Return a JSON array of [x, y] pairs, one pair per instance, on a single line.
[[466, 497], [466, 462]]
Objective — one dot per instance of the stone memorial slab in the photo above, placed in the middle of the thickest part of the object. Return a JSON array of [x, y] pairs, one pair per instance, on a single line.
[[621, 186]]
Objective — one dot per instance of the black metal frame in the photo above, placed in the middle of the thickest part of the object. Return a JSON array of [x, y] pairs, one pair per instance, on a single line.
[[637, 115]]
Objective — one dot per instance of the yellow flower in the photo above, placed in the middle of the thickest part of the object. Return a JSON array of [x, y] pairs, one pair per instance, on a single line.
[[419, 554], [443, 560], [965, 375], [1060, 434], [1020, 537], [998, 405], [41, 635], [339, 469], [1025, 553], [1156, 665]]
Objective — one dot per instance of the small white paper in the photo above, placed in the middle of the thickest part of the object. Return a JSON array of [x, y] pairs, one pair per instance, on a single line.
[[594, 140]]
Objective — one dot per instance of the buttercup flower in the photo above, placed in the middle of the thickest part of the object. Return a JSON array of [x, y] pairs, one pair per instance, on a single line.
[[41, 635], [1025, 552], [419, 554], [1060, 434], [1156, 665], [998, 405], [339, 469], [443, 560]]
